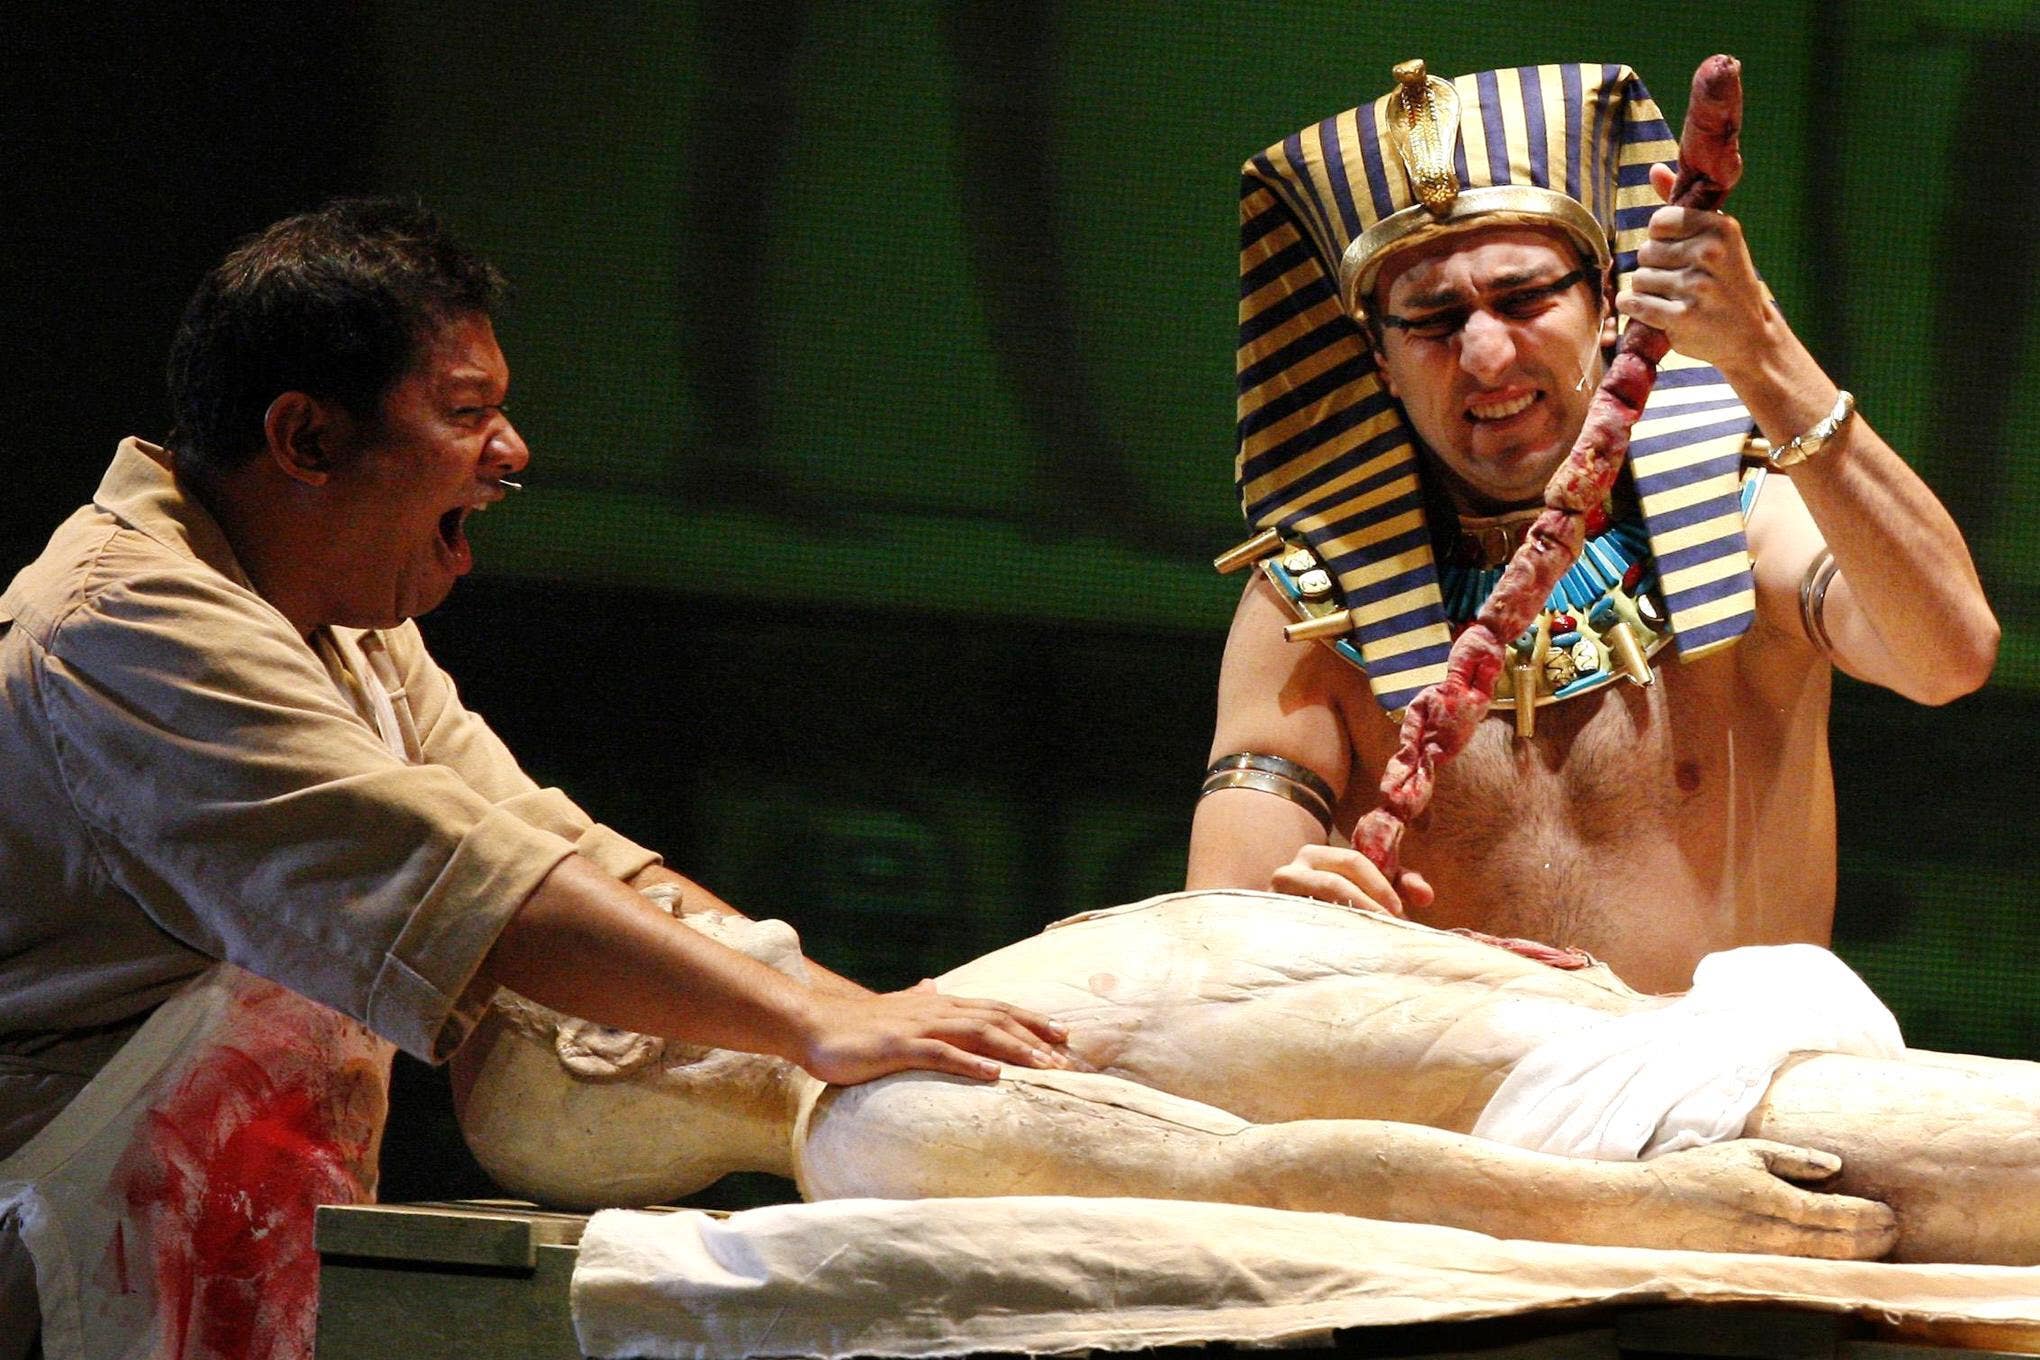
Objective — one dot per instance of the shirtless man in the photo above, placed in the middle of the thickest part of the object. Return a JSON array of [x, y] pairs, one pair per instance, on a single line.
[[1704, 799]]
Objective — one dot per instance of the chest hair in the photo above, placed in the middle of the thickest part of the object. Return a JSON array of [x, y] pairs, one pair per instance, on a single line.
[[1531, 830]]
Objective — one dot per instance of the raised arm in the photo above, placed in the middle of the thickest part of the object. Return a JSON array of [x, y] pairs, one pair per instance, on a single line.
[[1902, 607]]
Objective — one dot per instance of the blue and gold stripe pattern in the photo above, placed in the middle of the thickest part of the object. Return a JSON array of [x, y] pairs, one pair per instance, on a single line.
[[1324, 453]]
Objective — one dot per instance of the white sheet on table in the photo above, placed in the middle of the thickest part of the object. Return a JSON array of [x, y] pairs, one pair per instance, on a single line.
[[941, 1277]]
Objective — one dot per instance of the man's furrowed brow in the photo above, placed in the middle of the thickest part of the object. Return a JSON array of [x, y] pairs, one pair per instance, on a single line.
[[1452, 295], [1539, 282], [1445, 295], [468, 382]]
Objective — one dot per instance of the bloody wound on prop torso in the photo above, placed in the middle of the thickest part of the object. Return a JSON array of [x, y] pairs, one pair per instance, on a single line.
[[1441, 719]]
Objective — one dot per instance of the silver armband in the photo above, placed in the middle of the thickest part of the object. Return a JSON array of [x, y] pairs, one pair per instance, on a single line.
[[1273, 774], [1813, 589]]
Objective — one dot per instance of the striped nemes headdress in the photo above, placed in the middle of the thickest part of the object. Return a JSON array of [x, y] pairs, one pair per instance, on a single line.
[[1324, 451]]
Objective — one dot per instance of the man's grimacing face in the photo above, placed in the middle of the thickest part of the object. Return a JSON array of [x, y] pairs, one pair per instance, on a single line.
[[1494, 366], [437, 451]]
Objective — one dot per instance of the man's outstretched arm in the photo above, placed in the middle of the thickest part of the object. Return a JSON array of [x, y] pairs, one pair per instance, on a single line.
[[695, 898], [586, 944]]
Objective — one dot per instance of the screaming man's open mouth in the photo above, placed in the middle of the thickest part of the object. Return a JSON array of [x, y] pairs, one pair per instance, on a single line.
[[453, 525], [450, 531]]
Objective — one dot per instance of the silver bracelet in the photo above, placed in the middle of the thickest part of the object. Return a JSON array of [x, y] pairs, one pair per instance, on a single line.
[[1805, 446]]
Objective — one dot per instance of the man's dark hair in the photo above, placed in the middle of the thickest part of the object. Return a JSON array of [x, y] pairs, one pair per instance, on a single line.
[[336, 303]]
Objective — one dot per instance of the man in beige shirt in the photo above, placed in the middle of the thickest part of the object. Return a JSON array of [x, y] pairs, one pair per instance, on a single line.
[[224, 738], [1411, 374]]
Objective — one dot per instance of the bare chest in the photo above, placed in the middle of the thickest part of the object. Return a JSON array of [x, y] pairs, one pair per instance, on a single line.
[[1596, 768], [1555, 837]]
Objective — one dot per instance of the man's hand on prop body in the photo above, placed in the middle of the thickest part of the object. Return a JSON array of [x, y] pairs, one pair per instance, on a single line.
[[1742, 1196], [1334, 873], [1695, 281], [851, 1039]]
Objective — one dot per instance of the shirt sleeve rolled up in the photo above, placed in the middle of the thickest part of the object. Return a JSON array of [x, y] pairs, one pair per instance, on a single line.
[[253, 816]]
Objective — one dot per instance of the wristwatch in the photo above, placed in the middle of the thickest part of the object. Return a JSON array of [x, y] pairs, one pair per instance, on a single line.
[[1814, 440]]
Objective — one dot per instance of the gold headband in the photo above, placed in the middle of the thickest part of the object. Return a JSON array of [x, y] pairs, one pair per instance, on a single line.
[[1500, 205]]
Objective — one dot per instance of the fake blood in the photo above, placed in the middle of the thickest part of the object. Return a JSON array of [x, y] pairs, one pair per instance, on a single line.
[[280, 1114]]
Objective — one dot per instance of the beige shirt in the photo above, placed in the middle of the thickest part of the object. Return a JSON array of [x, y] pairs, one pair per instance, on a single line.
[[187, 780]]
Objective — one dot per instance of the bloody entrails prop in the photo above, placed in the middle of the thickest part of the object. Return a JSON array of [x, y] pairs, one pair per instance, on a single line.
[[1441, 719]]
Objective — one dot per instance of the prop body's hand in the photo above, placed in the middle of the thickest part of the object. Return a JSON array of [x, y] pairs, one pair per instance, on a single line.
[[1333, 873], [1751, 1196], [851, 1039], [1695, 281]]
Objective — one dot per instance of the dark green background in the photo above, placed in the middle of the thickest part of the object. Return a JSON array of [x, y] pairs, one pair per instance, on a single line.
[[876, 359]]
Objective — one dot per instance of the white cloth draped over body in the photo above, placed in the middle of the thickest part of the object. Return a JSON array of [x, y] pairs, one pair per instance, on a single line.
[[1688, 1074]]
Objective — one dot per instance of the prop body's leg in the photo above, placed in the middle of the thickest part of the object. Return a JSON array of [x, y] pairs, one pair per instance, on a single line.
[[921, 1136], [1950, 1142]]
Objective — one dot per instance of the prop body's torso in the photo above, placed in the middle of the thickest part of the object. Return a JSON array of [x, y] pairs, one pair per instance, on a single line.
[[1649, 826], [1278, 1008]]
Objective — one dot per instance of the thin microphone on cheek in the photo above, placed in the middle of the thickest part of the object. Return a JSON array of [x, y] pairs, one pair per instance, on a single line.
[[1586, 365]]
